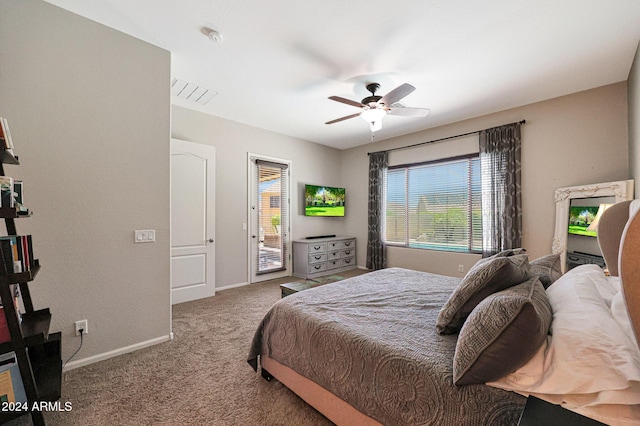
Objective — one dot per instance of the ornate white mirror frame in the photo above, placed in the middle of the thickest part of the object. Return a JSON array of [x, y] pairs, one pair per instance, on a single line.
[[621, 190]]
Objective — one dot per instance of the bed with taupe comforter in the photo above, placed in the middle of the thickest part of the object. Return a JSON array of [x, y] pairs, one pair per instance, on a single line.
[[378, 350], [402, 347]]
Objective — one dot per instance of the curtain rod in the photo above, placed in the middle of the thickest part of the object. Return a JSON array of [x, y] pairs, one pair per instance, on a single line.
[[439, 140]]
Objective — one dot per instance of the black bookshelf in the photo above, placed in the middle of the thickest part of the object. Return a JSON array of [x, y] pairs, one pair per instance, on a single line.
[[37, 351]]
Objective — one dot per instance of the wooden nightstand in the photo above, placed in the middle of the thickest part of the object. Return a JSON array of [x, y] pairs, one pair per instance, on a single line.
[[542, 413]]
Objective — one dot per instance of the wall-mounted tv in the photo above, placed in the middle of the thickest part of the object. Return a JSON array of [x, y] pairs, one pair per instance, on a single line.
[[580, 218], [326, 201]]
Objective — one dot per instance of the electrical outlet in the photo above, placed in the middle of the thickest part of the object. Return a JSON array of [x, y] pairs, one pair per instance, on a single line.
[[460, 268], [82, 325]]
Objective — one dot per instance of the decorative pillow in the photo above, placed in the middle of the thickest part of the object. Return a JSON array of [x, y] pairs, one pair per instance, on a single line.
[[548, 268], [482, 280], [503, 253], [508, 252], [502, 333], [589, 359]]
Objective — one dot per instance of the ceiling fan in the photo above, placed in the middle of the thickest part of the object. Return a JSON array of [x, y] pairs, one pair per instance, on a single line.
[[374, 108]]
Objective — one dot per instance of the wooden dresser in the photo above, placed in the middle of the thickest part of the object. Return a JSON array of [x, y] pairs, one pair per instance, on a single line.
[[323, 256]]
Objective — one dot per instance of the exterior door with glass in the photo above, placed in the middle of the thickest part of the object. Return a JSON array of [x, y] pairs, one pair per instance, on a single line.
[[269, 207]]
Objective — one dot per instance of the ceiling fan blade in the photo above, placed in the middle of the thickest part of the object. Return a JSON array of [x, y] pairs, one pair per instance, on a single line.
[[346, 101], [396, 94], [342, 118], [409, 112]]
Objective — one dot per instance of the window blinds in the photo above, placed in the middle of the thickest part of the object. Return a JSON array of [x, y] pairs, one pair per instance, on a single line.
[[271, 200], [435, 205]]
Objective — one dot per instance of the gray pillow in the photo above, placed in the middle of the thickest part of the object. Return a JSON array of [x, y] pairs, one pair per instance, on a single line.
[[548, 268], [502, 333], [502, 253], [483, 279]]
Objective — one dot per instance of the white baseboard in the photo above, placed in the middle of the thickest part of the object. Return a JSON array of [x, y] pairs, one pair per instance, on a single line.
[[116, 352], [227, 287]]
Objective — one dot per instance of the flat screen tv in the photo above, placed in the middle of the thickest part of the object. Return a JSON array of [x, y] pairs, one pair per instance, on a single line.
[[326, 201], [580, 219]]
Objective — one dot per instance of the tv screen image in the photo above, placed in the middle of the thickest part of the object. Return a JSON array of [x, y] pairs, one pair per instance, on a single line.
[[580, 218], [325, 201]]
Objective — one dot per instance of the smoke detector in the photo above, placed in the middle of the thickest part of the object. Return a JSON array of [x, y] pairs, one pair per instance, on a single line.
[[213, 35]]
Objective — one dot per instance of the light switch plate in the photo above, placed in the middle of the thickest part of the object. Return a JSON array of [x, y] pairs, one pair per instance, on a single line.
[[144, 236]]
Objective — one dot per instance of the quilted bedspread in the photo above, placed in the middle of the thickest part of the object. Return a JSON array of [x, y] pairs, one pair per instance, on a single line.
[[371, 340]]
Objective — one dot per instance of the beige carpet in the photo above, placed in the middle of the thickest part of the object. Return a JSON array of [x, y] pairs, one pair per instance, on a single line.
[[199, 378]]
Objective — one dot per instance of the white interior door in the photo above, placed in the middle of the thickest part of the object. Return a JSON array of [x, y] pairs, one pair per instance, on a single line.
[[192, 221]]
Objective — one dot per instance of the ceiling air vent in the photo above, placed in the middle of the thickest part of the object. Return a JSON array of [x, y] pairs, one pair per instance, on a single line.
[[192, 92]]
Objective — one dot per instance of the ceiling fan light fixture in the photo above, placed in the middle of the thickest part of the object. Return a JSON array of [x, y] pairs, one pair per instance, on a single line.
[[374, 108], [374, 117]]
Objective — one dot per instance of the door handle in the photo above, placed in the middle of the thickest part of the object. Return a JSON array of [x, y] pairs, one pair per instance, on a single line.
[[210, 240]]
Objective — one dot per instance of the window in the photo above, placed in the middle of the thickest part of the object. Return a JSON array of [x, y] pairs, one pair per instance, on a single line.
[[435, 205]]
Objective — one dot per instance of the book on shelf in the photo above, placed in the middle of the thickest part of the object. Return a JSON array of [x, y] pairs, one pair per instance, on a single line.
[[5, 134], [17, 192], [17, 253], [11, 194], [6, 191], [11, 386], [5, 336]]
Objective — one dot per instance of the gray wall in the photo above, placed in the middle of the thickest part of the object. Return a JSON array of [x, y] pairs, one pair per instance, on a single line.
[[634, 118], [571, 140], [89, 109], [89, 112], [311, 163]]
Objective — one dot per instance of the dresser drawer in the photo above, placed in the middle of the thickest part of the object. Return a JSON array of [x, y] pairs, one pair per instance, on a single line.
[[348, 261], [348, 244], [333, 245], [317, 248], [333, 264], [317, 258], [317, 267], [334, 255], [347, 253]]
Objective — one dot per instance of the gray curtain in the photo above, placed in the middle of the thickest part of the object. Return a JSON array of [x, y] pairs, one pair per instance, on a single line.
[[501, 194], [376, 253]]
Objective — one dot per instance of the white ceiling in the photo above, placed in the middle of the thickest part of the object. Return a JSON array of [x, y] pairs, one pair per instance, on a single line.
[[281, 59]]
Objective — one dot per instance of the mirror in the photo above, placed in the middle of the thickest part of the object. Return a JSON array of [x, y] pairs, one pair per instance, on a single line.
[[600, 192]]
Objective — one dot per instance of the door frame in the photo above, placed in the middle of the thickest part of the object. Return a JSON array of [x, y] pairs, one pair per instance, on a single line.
[[250, 261]]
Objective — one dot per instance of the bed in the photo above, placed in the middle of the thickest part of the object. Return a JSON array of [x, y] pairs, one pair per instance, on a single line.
[[398, 346]]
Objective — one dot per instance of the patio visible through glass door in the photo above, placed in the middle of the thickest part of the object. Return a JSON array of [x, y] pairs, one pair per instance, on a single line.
[[270, 216]]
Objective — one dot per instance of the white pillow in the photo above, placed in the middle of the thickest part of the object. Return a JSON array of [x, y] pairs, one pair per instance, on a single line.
[[588, 359], [608, 288], [620, 314]]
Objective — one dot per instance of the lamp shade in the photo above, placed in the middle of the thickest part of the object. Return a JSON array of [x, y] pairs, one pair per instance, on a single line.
[[373, 116]]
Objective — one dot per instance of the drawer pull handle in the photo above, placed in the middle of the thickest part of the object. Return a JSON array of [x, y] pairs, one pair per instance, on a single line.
[[316, 247], [317, 267], [317, 257]]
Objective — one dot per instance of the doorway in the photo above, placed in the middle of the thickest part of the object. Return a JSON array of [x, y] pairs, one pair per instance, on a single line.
[[269, 218]]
